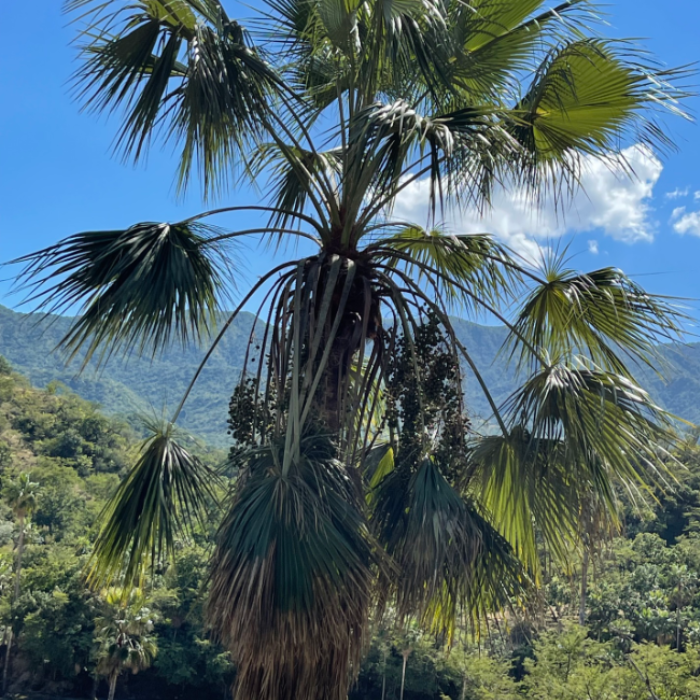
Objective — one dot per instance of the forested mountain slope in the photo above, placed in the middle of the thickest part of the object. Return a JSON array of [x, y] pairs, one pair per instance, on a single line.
[[146, 386]]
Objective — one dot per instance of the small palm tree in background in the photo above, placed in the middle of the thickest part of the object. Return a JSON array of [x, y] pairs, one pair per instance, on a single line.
[[124, 635], [21, 495], [363, 484]]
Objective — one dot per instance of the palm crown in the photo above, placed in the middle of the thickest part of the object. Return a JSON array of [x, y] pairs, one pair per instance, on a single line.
[[361, 479], [21, 494]]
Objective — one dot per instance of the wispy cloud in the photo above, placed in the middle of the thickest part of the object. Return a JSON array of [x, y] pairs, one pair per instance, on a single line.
[[593, 247], [678, 193], [686, 222]]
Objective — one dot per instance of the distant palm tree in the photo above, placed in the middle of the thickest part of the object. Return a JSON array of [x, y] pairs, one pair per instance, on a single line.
[[21, 495], [362, 481], [124, 636]]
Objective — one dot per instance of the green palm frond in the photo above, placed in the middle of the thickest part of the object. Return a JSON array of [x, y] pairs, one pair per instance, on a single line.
[[391, 145], [603, 315], [525, 487], [165, 494], [298, 175], [293, 553], [495, 40], [482, 21], [21, 494], [472, 261], [586, 95], [141, 288], [575, 433], [449, 557], [608, 421], [180, 69]]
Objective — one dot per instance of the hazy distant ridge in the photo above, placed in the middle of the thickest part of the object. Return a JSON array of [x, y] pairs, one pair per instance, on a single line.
[[142, 385]]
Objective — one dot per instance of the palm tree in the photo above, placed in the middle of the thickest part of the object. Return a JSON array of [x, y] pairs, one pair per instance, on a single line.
[[363, 484], [124, 636], [21, 495]]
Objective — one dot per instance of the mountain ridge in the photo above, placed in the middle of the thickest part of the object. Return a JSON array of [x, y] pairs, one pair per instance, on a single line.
[[147, 386]]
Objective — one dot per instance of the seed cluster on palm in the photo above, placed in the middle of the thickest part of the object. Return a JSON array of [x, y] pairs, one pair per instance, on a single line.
[[363, 483]]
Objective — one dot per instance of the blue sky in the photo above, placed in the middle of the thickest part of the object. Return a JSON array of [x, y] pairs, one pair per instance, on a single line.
[[58, 174]]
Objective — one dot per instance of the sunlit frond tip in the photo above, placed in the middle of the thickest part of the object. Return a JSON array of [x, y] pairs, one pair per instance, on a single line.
[[603, 315], [138, 288]]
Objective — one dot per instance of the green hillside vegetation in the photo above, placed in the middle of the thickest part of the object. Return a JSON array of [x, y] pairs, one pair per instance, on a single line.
[[144, 386], [139, 386], [642, 631]]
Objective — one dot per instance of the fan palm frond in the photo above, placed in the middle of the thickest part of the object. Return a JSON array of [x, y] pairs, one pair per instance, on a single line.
[[525, 487], [449, 557], [183, 69], [475, 261], [161, 499], [602, 314], [587, 95], [298, 176], [497, 39], [575, 433], [392, 145], [137, 288]]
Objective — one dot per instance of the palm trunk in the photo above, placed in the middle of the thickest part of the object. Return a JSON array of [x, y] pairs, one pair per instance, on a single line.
[[464, 685], [348, 340], [405, 654], [6, 668], [384, 676], [112, 685], [18, 573], [20, 552], [584, 588]]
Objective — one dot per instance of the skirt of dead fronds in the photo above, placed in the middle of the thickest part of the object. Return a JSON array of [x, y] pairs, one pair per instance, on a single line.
[[291, 577]]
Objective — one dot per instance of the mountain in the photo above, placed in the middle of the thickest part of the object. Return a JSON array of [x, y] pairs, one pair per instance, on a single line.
[[144, 386], [133, 386]]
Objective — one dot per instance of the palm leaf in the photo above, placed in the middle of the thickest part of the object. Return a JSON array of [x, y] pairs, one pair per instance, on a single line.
[[161, 499], [296, 176], [586, 95], [471, 260], [496, 40], [525, 488], [602, 314], [178, 68], [576, 433], [136, 288], [391, 145], [449, 557]]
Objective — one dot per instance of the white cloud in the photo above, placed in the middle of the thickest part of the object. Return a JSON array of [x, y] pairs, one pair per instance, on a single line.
[[696, 196], [677, 213], [593, 247], [678, 193], [608, 200], [686, 222]]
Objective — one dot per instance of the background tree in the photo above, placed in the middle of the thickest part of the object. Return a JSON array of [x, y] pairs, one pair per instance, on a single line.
[[124, 636], [21, 494], [339, 108]]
